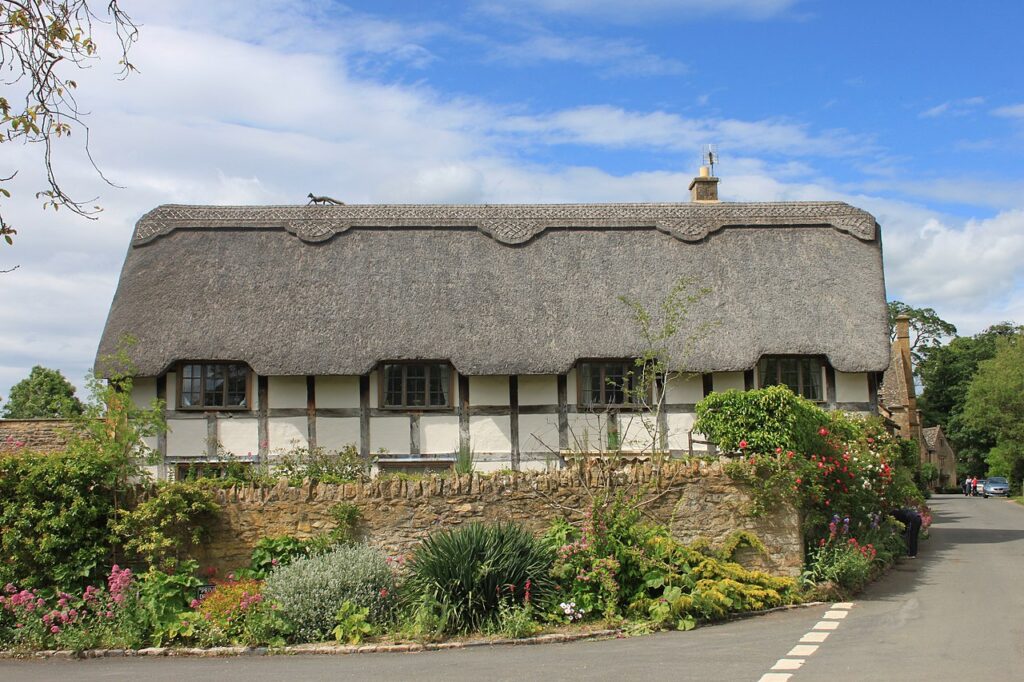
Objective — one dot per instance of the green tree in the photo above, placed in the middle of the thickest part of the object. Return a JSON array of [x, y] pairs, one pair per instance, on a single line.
[[946, 372], [927, 329], [40, 42], [44, 394], [995, 406]]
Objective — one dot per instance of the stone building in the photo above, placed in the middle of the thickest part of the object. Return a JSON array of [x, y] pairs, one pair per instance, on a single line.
[[941, 454], [500, 330]]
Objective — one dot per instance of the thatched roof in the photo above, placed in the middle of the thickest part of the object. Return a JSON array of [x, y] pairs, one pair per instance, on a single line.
[[497, 289]]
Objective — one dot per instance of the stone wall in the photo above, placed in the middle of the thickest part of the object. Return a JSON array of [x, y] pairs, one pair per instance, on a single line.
[[696, 499], [36, 435]]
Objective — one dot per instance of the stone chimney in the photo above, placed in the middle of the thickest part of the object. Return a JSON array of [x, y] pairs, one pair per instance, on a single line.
[[704, 187], [903, 347]]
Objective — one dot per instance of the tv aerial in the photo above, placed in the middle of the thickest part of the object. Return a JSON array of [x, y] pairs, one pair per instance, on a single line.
[[709, 157]]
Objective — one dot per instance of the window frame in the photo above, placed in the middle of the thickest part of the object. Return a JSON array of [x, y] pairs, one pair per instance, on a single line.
[[628, 363], [405, 407], [822, 365], [179, 381]]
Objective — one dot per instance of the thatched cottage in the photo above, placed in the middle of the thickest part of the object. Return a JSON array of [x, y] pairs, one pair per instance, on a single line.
[[420, 330]]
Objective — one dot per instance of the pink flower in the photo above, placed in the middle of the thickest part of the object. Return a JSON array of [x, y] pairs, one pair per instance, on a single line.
[[54, 629], [384, 593], [822, 431], [194, 604], [743, 445]]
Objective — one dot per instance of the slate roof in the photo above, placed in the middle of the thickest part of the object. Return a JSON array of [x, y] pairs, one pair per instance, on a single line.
[[497, 289]]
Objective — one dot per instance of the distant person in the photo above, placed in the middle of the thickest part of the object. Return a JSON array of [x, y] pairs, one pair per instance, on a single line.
[[910, 518], [974, 486], [965, 486]]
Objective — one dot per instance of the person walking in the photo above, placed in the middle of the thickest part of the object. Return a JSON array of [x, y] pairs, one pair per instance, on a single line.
[[965, 486], [974, 486]]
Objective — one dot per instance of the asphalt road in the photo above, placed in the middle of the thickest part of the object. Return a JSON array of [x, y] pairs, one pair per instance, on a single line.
[[955, 613]]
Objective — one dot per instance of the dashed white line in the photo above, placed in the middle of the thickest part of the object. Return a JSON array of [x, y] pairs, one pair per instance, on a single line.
[[797, 656], [803, 650], [788, 664]]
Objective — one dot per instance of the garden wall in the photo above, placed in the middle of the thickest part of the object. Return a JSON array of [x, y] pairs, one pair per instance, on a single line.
[[695, 499], [34, 435]]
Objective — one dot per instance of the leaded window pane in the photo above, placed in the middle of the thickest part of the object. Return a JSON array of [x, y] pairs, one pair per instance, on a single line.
[[789, 374], [393, 385], [191, 388], [213, 386], [811, 375], [236, 385], [440, 385], [416, 385]]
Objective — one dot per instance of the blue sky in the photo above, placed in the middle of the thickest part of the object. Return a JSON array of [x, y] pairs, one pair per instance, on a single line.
[[913, 111]]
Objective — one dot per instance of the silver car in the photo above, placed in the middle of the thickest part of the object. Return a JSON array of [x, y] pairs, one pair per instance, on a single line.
[[996, 486]]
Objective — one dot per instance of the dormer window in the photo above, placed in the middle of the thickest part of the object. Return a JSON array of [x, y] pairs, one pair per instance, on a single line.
[[213, 385], [608, 383], [416, 385], [805, 376]]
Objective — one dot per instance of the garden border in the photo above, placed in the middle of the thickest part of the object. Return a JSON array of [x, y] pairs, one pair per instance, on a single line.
[[324, 648]]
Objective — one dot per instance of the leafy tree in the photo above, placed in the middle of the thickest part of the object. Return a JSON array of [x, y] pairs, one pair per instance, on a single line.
[[40, 41], [927, 329], [947, 372], [995, 405], [44, 394]]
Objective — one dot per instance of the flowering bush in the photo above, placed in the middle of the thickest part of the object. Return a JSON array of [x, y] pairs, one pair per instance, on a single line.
[[615, 564], [311, 590], [235, 612]]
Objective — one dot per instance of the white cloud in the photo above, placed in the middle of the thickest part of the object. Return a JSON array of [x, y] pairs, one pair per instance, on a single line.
[[615, 58], [644, 10], [954, 107], [1010, 111]]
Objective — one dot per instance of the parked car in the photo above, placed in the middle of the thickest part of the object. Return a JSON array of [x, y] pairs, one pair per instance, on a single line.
[[997, 486], [980, 489]]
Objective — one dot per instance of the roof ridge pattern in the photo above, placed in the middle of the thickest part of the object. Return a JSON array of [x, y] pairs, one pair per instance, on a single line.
[[509, 223]]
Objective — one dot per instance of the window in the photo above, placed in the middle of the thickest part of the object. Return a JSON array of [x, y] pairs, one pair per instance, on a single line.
[[424, 385], [608, 383], [219, 385], [803, 376]]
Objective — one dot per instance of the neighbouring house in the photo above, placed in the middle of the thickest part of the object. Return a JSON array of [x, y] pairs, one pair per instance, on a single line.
[[421, 331], [941, 454], [898, 403]]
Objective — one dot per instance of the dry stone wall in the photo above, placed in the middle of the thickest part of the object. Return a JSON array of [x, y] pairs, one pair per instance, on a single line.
[[34, 435], [695, 499]]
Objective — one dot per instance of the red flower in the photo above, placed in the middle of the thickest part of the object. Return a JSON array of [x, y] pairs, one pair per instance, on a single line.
[[798, 481], [822, 431], [743, 445]]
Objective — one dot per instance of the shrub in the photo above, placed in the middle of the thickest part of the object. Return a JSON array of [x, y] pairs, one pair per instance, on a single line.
[[318, 464], [465, 575], [762, 420], [311, 590], [162, 527], [237, 613]]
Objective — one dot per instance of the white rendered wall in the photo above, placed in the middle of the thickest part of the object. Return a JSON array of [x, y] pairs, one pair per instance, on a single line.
[[685, 388], [724, 381], [852, 387], [488, 390], [538, 389], [636, 431], [490, 434], [390, 434], [285, 433], [374, 393], [334, 433], [538, 433], [172, 390], [286, 392], [588, 432], [240, 437], [144, 391], [186, 437], [679, 426], [439, 435], [337, 392]]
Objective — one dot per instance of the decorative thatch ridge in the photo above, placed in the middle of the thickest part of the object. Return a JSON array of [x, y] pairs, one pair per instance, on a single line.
[[509, 223], [536, 295]]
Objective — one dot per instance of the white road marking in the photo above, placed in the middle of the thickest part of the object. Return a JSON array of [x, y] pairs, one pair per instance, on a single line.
[[788, 664], [803, 650], [819, 633]]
